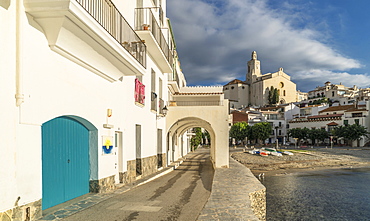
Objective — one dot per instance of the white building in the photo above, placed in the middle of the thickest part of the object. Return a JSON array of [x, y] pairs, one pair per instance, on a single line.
[[83, 95], [334, 116], [254, 91], [336, 93]]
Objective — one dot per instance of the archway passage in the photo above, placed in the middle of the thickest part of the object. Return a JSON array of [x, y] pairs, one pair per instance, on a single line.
[[218, 146], [65, 160]]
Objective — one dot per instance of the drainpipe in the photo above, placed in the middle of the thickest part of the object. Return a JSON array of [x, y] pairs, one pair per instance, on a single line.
[[19, 96]]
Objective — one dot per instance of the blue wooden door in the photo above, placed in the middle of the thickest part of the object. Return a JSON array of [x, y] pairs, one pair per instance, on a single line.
[[65, 161]]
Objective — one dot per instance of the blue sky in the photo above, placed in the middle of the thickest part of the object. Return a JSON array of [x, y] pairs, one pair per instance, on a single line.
[[313, 40]]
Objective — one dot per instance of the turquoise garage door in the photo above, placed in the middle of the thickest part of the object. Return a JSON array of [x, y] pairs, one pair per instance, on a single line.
[[65, 161]]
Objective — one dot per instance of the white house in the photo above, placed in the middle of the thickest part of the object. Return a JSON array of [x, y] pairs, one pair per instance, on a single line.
[[84, 90]]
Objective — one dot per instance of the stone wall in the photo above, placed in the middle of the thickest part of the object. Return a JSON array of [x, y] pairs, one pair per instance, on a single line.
[[242, 195], [258, 203], [149, 165], [28, 212], [102, 185]]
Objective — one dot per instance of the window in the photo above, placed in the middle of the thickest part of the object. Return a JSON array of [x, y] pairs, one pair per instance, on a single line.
[[345, 122], [332, 93], [154, 95], [279, 124], [279, 132], [138, 149], [356, 114], [232, 87], [357, 121]]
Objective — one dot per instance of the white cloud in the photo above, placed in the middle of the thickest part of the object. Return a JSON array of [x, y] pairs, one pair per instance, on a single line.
[[214, 42]]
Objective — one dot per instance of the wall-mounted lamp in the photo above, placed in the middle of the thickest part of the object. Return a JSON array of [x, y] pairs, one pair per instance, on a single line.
[[163, 112]]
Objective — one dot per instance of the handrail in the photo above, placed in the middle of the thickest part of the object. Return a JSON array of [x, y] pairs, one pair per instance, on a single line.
[[108, 16]]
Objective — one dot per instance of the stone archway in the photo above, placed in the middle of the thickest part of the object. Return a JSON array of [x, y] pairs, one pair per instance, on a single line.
[[212, 118]]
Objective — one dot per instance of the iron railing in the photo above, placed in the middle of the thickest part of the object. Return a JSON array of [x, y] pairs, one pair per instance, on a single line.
[[145, 20], [154, 102], [108, 16], [161, 105], [174, 77], [195, 103]]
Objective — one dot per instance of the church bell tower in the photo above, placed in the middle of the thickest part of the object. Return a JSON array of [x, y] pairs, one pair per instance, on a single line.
[[254, 69]]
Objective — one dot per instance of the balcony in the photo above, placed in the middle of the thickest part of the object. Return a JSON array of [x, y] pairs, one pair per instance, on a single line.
[[91, 33], [174, 81], [147, 27], [139, 93], [161, 106], [154, 102]]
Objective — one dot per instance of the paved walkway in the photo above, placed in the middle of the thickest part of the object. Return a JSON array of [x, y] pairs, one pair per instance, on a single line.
[[81, 203], [236, 195]]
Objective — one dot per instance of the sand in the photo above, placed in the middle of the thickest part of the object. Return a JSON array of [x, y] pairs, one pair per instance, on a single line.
[[311, 158]]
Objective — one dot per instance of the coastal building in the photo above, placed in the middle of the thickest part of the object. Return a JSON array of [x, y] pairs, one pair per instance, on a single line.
[[336, 93], [86, 89], [334, 116], [254, 91]]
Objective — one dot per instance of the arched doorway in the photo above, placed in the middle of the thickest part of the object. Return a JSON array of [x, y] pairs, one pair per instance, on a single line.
[[69, 159], [218, 146]]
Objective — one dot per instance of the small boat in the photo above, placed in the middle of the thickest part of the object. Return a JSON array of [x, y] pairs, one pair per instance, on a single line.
[[264, 154], [275, 153], [288, 153], [253, 151]]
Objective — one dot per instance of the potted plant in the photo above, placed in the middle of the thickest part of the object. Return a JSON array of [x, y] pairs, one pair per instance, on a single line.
[[146, 27]]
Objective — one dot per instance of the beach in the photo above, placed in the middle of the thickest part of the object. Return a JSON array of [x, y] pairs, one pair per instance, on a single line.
[[307, 158]]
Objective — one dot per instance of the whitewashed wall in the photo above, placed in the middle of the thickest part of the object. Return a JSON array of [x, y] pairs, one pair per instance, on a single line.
[[54, 86]]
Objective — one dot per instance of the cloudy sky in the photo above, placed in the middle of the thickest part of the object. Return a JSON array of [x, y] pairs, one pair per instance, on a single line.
[[313, 40]]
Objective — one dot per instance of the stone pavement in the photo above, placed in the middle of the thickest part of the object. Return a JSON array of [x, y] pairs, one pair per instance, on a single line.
[[76, 205], [236, 195]]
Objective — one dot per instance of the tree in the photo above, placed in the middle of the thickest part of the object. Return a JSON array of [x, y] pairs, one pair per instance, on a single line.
[[197, 139], [351, 132], [271, 95], [275, 98], [318, 134], [299, 133], [239, 130], [261, 131]]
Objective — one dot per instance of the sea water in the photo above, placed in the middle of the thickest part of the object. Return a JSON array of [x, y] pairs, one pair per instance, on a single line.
[[333, 194]]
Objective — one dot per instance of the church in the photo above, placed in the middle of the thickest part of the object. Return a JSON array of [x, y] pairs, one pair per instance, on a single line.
[[254, 91]]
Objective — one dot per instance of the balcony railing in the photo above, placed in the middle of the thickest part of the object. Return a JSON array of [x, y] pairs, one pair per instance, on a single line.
[[195, 103], [174, 77], [107, 15], [154, 102], [161, 106], [145, 20], [139, 92]]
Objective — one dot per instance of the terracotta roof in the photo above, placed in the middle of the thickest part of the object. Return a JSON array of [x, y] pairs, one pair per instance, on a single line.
[[337, 108], [270, 108], [235, 81], [332, 124], [324, 116], [354, 110], [199, 93]]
